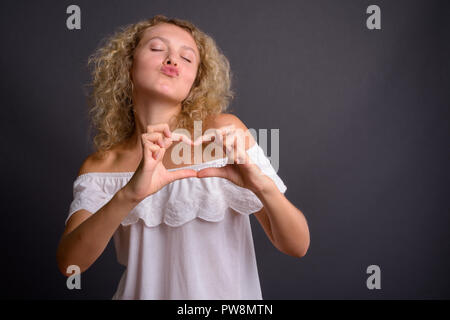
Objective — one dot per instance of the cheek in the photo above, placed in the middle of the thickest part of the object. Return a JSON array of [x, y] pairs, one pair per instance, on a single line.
[[189, 77], [145, 64]]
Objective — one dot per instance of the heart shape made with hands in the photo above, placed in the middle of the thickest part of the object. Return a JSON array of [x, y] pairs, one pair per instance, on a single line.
[[240, 169], [230, 139]]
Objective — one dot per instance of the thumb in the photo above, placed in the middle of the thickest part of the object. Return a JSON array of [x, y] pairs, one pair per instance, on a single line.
[[213, 172], [181, 174]]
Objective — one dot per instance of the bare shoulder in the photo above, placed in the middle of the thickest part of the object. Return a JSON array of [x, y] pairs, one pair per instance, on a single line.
[[226, 119], [97, 162]]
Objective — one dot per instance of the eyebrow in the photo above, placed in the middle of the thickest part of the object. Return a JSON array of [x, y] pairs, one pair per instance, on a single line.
[[167, 41]]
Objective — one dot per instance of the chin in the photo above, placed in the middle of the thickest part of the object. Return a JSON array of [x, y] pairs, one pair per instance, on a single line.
[[164, 90], [166, 94]]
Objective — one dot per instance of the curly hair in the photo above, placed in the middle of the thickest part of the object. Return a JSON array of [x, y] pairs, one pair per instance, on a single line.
[[110, 101]]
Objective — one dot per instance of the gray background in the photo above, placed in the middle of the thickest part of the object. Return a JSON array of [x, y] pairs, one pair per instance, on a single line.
[[363, 118]]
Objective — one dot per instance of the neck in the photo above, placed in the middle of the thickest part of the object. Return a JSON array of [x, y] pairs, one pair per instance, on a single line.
[[150, 110]]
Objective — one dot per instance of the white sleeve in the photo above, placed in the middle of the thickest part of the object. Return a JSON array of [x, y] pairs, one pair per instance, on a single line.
[[256, 153], [88, 195], [243, 200]]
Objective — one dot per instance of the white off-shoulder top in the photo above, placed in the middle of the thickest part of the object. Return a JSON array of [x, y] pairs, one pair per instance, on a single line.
[[190, 240]]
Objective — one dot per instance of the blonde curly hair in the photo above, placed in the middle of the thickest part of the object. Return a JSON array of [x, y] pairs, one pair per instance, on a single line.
[[110, 101]]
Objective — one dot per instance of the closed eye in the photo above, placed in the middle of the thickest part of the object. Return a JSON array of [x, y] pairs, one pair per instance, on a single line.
[[182, 57]]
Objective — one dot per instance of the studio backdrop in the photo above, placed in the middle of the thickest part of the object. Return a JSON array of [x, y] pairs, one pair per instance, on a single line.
[[357, 91]]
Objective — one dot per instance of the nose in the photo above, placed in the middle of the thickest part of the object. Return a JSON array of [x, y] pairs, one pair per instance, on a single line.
[[170, 61]]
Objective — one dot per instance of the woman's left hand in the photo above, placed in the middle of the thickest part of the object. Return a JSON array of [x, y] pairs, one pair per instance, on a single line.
[[240, 169]]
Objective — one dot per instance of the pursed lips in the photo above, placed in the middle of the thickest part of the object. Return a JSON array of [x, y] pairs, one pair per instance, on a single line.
[[170, 71]]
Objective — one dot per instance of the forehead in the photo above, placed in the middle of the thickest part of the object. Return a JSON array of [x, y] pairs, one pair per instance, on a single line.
[[172, 32]]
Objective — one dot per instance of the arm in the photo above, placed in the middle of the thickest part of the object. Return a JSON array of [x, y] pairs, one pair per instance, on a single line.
[[283, 223], [87, 235], [288, 227]]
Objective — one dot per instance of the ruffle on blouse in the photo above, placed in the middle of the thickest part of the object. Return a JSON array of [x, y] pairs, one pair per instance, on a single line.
[[180, 201]]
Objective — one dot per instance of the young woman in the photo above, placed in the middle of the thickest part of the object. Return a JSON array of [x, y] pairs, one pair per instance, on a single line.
[[182, 231]]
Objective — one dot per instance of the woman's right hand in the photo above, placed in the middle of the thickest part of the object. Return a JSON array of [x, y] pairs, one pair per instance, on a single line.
[[151, 175]]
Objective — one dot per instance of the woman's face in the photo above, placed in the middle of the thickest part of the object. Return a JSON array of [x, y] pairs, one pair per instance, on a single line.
[[159, 44]]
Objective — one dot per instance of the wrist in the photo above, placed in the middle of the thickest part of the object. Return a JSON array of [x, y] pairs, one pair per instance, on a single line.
[[125, 195], [266, 188]]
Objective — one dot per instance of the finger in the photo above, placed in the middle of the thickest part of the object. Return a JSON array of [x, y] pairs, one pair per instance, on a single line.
[[181, 174], [151, 149], [229, 146], [160, 154], [156, 137], [235, 147], [216, 133], [155, 151], [221, 133], [239, 152], [165, 142], [203, 138], [213, 172], [181, 137], [224, 131], [160, 127], [146, 141]]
